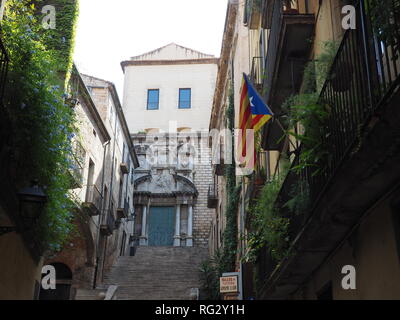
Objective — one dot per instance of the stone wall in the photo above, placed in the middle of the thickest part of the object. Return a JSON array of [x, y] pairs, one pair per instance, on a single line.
[[202, 216]]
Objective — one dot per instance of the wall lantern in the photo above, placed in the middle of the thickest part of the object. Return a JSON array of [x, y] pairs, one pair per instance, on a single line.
[[32, 200]]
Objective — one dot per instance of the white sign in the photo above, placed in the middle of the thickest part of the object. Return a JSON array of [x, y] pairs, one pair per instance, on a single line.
[[228, 284]]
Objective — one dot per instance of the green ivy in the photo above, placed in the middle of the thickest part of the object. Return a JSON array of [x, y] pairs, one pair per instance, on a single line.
[[233, 195], [43, 125], [61, 40]]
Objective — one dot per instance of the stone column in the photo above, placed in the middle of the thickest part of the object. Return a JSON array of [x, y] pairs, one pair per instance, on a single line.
[[143, 237], [189, 240], [177, 237]]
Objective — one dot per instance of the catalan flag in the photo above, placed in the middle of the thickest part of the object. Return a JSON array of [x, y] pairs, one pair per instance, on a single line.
[[254, 113]]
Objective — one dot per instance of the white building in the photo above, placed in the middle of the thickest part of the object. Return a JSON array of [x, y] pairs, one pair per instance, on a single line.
[[171, 83]]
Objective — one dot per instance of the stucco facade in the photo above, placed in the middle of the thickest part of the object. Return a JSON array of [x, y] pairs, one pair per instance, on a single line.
[[169, 69]]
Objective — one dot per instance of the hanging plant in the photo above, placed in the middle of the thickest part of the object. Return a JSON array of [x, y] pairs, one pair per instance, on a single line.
[[268, 227]]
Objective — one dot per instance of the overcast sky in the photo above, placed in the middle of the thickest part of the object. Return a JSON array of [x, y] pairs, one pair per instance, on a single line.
[[112, 31]]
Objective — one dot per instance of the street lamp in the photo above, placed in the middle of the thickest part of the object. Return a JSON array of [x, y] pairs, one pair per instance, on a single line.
[[32, 200]]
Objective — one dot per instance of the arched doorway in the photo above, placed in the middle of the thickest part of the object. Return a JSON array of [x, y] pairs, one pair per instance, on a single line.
[[63, 284]]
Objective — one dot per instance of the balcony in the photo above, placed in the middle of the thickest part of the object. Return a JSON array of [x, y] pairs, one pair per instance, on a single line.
[[289, 46], [253, 13], [107, 227], [212, 197], [288, 50], [124, 168], [220, 152], [123, 210], [93, 201], [363, 93]]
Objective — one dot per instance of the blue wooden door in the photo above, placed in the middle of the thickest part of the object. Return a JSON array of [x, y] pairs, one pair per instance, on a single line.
[[161, 226]]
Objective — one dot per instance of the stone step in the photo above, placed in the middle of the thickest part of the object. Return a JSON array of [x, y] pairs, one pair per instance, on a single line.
[[157, 273], [90, 294]]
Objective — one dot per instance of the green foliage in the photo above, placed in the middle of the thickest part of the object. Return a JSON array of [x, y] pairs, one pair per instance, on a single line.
[[384, 18], [299, 198], [233, 195], [43, 124], [316, 71], [306, 110], [268, 227], [307, 114], [61, 40], [211, 270]]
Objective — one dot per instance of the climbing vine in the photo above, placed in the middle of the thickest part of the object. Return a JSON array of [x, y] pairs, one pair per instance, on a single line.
[[61, 39], [233, 195], [42, 123], [224, 260]]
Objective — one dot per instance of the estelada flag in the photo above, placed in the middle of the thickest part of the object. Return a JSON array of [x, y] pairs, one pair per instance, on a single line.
[[254, 113]]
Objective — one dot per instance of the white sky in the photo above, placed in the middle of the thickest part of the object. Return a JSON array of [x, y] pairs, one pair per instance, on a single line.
[[112, 31]]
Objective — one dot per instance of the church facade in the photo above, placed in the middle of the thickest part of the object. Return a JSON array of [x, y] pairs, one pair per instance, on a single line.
[[168, 96]]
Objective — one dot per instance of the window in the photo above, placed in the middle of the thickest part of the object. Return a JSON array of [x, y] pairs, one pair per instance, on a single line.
[[184, 98], [153, 96]]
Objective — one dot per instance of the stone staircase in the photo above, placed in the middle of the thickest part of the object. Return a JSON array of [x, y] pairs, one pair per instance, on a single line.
[[157, 273]]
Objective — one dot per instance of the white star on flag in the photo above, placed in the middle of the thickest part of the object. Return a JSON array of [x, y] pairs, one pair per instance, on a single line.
[[251, 101]]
